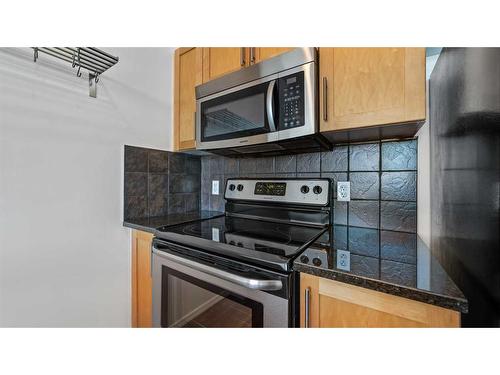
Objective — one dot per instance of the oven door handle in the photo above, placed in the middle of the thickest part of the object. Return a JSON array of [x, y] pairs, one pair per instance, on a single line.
[[250, 283], [269, 105]]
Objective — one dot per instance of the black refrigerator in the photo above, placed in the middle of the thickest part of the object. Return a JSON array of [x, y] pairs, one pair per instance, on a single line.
[[464, 109]]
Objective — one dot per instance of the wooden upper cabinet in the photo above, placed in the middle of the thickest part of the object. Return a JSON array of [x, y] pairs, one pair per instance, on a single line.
[[361, 87], [218, 61], [332, 304], [263, 53], [188, 74]]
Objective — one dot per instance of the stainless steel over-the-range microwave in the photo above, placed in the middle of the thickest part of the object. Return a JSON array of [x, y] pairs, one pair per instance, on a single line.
[[265, 107]]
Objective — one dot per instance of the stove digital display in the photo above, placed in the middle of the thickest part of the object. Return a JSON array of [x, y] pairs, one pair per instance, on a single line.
[[270, 188]]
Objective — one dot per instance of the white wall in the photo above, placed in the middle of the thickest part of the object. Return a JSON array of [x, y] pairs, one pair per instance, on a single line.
[[64, 255], [424, 185], [424, 164]]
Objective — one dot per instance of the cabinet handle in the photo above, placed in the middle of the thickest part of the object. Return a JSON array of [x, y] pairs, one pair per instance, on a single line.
[[242, 56], [252, 55], [307, 302], [325, 99], [151, 262]]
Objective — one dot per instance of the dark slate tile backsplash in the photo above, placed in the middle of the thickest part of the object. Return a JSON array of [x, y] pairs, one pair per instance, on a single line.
[[379, 172], [399, 155], [335, 160], [398, 246], [364, 157], [158, 183], [364, 185], [380, 221], [364, 241], [399, 186], [378, 226], [364, 213]]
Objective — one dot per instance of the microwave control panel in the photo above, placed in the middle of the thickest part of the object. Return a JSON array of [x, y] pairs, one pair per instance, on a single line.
[[291, 99]]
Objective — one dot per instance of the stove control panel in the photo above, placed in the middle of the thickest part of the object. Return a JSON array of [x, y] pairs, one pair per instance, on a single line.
[[292, 191]]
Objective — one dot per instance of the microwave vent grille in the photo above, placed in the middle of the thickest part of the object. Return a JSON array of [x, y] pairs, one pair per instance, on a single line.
[[264, 147]]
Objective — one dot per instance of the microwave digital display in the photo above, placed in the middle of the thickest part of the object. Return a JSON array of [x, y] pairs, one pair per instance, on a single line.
[[270, 188]]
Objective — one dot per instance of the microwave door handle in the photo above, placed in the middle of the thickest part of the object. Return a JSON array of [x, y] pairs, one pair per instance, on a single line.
[[250, 283], [269, 105]]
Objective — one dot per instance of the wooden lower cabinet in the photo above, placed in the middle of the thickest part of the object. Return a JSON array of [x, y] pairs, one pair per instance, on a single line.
[[141, 279], [333, 304]]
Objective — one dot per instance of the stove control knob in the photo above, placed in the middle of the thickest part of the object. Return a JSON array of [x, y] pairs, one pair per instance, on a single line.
[[304, 189], [317, 262], [240, 187], [317, 189], [304, 259], [232, 187]]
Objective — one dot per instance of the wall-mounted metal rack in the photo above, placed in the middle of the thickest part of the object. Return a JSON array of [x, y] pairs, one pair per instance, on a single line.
[[92, 59]]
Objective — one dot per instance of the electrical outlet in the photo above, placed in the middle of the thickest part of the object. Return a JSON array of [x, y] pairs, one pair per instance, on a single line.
[[215, 234], [343, 191], [215, 187], [344, 260]]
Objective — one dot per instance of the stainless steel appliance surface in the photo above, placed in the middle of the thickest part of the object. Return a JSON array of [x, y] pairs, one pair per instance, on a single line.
[[236, 270], [268, 107]]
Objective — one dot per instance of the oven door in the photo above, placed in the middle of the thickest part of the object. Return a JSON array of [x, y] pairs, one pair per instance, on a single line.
[[189, 293], [243, 115]]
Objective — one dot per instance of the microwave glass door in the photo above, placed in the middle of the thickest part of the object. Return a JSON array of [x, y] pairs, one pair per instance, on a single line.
[[189, 302], [241, 113]]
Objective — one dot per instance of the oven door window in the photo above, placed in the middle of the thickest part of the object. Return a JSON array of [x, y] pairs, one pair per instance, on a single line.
[[190, 302], [235, 115]]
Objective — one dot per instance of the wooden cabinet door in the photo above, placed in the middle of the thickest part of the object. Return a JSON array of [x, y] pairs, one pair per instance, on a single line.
[[362, 87], [218, 61], [188, 74], [263, 53], [142, 291], [333, 304]]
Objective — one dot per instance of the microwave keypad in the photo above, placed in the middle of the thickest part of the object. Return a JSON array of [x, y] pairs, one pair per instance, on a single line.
[[292, 99]]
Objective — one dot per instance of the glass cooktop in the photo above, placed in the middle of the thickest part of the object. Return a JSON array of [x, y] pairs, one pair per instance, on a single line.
[[264, 243]]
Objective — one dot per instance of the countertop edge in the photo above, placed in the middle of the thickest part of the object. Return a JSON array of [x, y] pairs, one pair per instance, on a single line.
[[152, 224], [447, 302], [139, 227]]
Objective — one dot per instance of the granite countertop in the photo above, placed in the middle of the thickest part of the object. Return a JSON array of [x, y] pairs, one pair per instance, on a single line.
[[150, 224], [398, 263]]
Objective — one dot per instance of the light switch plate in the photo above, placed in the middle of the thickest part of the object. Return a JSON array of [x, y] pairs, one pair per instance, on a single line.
[[344, 260], [343, 191], [215, 187]]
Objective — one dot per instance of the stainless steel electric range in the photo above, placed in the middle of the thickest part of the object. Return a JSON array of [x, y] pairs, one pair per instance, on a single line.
[[236, 270]]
